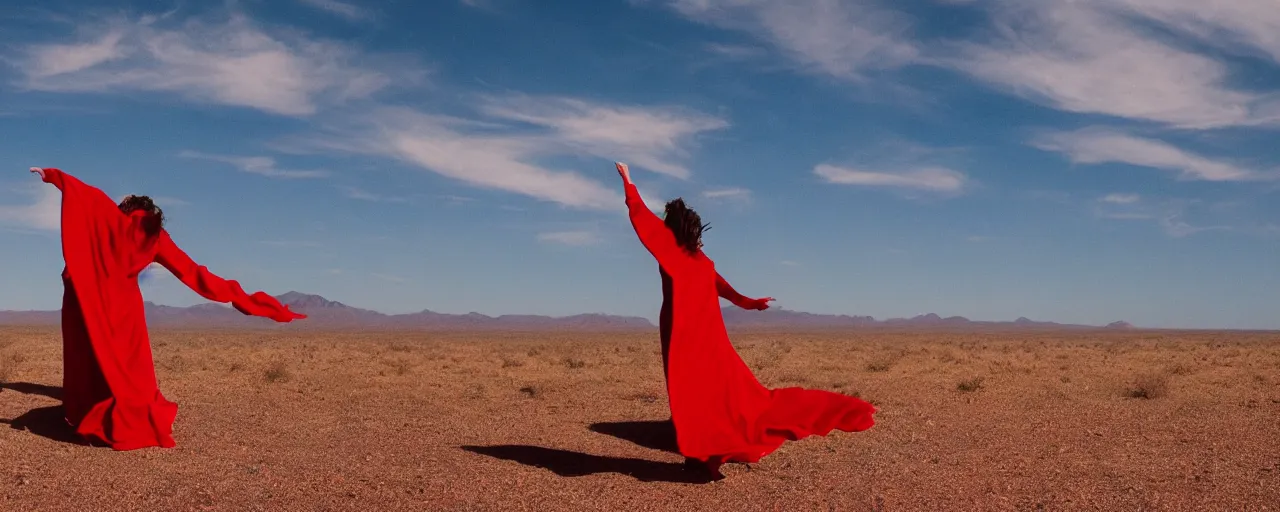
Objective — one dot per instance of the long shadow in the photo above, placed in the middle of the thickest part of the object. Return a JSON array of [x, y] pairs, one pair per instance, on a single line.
[[571, 464], [54, 392], [48, 422], [653, 434]]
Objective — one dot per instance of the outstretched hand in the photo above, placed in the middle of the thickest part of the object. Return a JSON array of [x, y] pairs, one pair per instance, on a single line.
[[623, 171], [37, 170], [762, 304]]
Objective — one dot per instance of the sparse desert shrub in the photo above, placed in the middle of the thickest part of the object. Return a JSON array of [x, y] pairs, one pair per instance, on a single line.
[[794, 378], [278, 372], [879, 365], [1148, 387], [533, 352], [235, 367], [970, 385], [574, 363], [764, 360], [9, 365], [644, 396], [401, 366], [530, 391], [508, 362], [1179, 369], [174, 363]]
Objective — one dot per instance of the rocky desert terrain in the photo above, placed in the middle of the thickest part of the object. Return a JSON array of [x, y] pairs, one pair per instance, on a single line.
[[1036, 420]]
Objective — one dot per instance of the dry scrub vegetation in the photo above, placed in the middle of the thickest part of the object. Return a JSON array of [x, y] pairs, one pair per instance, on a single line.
[[544, 421]]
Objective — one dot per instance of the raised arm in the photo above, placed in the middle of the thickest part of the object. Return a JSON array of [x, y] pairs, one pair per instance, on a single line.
[[217, 289], [738, 299], [99, 200], [655, 236]]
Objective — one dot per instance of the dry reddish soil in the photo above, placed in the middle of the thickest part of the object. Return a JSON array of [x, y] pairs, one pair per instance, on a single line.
[[511, 421]]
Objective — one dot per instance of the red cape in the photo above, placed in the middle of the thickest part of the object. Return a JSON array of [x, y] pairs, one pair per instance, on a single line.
[[721, 412], [110, 391]]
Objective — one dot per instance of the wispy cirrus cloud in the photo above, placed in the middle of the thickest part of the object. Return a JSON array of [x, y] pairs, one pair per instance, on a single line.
[[1121, 198], [1108, 57], [1177, 218], [842, 38], [364, 195], [346, 10], [571, 238], [503, 153], [1104, 145], [653, 138], [504, 145], [728, 193], [927, 179], [42, 213], [260, 165], [225, 61], [1100, 57]]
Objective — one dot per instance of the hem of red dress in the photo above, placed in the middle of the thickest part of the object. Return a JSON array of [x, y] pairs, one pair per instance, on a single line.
[[97, 432]]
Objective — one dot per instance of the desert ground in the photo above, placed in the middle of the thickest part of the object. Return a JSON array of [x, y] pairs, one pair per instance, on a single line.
[[1132, 420]]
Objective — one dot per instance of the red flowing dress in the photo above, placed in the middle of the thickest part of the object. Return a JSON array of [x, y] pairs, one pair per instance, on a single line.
[[109, 390], [720, 411]]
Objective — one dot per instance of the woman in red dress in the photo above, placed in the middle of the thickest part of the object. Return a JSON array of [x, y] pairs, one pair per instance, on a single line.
[[720, 411], [109, 390]]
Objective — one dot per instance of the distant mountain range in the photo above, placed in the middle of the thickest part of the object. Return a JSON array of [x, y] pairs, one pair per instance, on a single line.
[[323, 313]]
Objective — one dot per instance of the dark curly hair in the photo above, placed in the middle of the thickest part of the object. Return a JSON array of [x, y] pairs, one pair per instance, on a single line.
[[685, 224], [152, 223]]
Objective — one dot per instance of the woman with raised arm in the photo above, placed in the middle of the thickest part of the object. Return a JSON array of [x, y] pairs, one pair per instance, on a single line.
[[720, 411], [109, 390]]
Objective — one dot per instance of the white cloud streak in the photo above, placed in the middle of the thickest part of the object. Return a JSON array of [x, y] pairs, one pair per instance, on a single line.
[[1100, 145], [649, 138], [506, 155], [346, 10], [570, 238], [234, 62], [1109, 57], [1097, 57], [738, 193], [928, 179], [227, 62], [1120, 198], [364, 195], [44, 214], [260, 165], [842, 38]]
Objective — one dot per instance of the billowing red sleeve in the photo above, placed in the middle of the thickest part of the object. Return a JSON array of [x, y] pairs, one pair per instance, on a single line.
[[100, 201], [738, 299], [217, 289], [655, 236]]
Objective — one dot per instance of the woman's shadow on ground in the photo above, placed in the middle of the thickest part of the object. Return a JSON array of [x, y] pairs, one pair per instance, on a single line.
[[47, 422], [652, 434], [657, 435]]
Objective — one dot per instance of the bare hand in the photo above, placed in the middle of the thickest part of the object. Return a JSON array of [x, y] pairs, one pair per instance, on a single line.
[[623, 171], [763, 304], [37, 170]]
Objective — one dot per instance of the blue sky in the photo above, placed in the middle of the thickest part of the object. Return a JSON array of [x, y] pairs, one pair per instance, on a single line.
[[1078, 161]]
